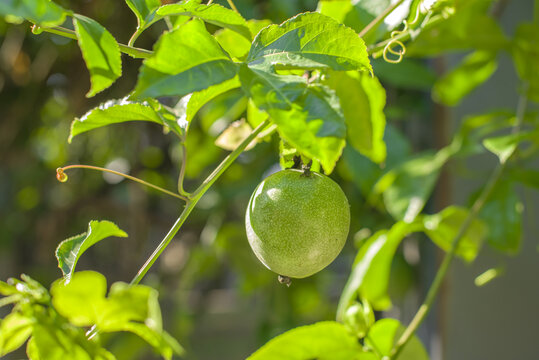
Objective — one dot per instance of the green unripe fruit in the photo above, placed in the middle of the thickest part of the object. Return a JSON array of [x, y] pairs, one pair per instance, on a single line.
[[296, 223]]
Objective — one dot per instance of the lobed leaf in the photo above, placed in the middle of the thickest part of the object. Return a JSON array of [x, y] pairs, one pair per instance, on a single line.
[[214, 14], [473, 71], [70, 250], [307, 116], [40, 12], [362, 100], [100, 52], [309, 41], [323, 341], [187, 59], [123, 110]]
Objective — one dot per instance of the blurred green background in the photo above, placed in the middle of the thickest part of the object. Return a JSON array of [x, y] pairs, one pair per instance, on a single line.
[[217, 299]]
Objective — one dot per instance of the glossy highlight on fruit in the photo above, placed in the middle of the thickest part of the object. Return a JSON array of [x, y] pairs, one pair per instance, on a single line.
[[296, 223]]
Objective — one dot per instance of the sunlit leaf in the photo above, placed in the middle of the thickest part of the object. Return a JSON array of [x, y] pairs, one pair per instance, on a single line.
[[474, 70], [234, 135], [40, 12], [123, 110], [386, 332], [187, 59], [369, 277], [307, 116], [307, 41], [100, 52], [323, 341], [69, 251], [15, 329], [54, 343], [200, 98], [235, 44], [362, 99], [336, 9], [214, 14], [442, 228], [502, 213], [144, 11], [504, 146]]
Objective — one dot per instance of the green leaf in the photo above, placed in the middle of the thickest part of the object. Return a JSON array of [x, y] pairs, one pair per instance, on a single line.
[[308, 41], [100, 52], [502, 214], [369, 277], [144, 11], [70, 250], [525, 53], [474, 70], [122, 110], [307, 116], [336, 9], [82, 299], [41, 12], [386, 332], [15, 329], [214, 14], [442, 228], [235, 44], [50, 342], [362, 100], [187, 59], [407, 188], [234, 135], [200, 98], [527, 177], [504, 146], [326, 340]]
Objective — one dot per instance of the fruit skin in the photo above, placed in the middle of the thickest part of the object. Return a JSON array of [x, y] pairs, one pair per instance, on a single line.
[[297, 224]]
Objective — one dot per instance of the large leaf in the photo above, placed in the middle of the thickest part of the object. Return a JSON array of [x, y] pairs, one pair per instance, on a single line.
[[386, 332], [502, 213], [122, 110], [309, 41], [442, 228], [82, 299], [410, 74], [40, 12], [187, 59], [100, 52], [369, 277], [307, 116], [362, 99], [69, 251], [323, 341], [235, 44], [474, 70], [213, 14]]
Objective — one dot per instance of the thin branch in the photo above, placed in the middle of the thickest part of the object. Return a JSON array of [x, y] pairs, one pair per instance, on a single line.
[[374, 23], [444, 267], [181, 177], [62, 177], [195, 197], [129, 50]]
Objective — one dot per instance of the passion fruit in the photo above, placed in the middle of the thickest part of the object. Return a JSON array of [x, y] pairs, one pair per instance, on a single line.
[[297, 223]]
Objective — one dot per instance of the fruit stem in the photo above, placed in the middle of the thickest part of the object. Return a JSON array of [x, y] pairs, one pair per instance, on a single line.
[[284, 280], [195, 197], [444, 267], [307, 169]]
